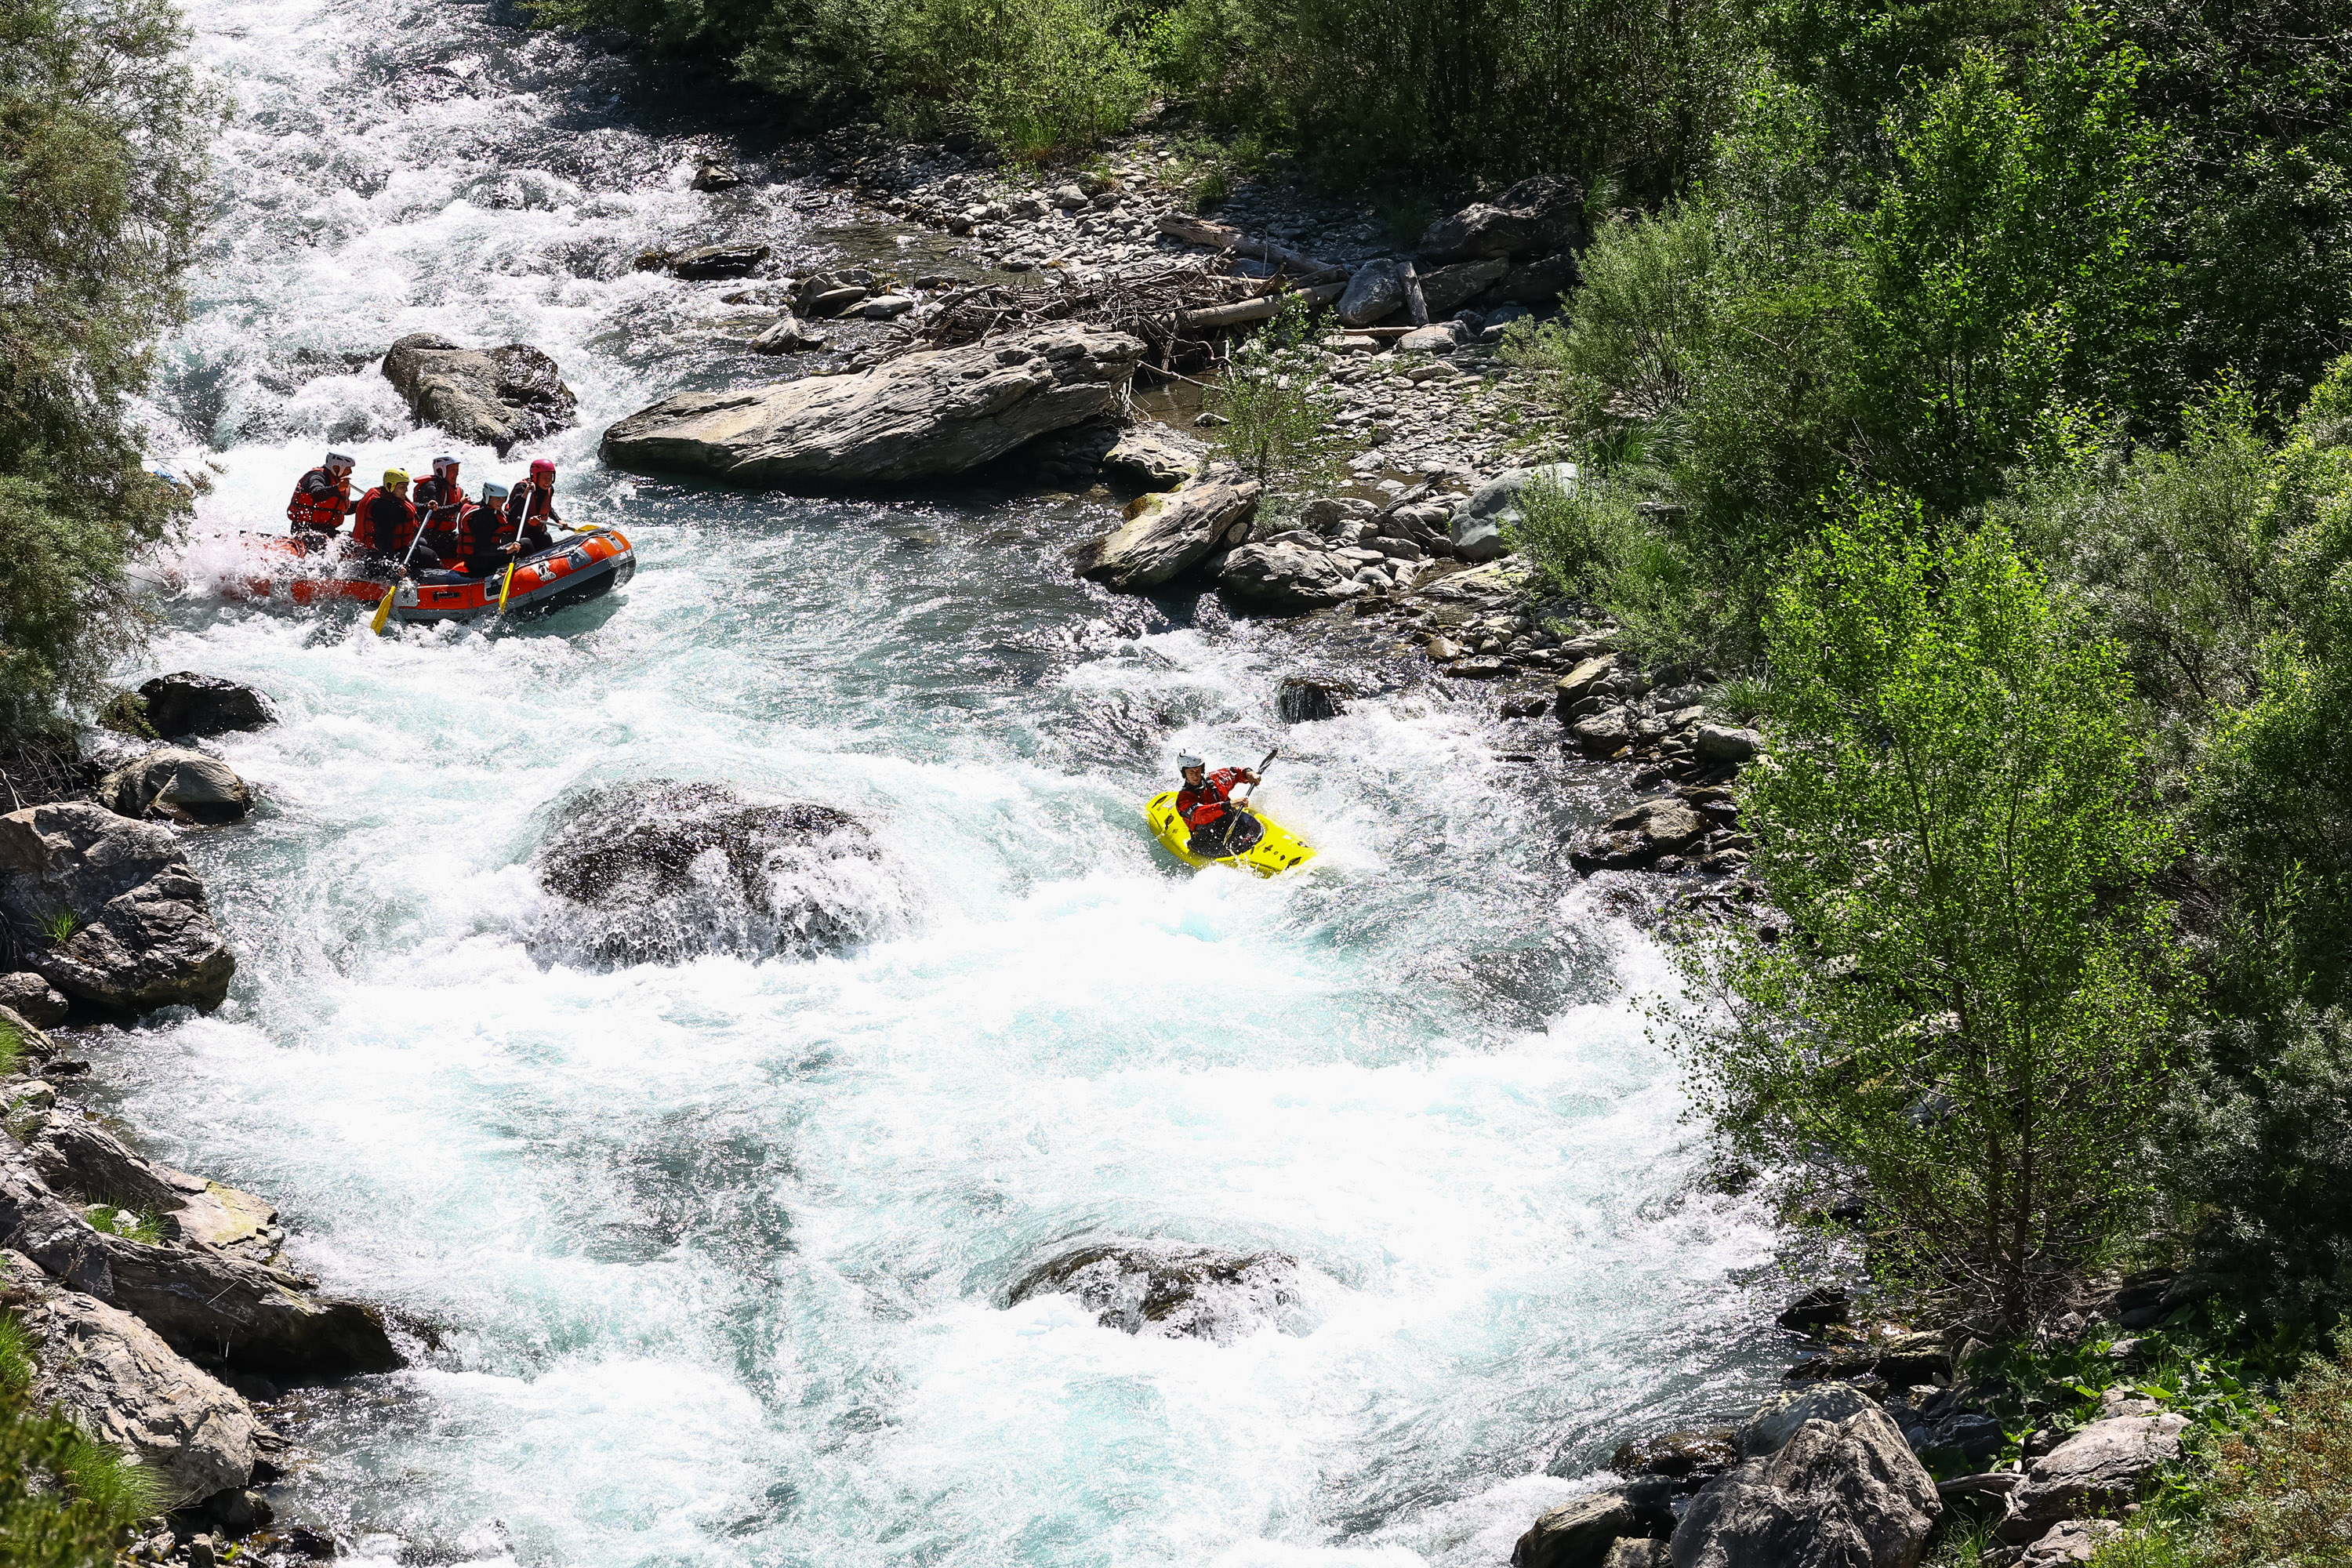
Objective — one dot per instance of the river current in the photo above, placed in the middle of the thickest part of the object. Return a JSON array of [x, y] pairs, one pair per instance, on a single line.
[[707, 1263]]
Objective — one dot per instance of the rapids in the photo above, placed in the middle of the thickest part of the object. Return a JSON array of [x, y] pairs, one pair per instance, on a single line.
[[706, 1261]]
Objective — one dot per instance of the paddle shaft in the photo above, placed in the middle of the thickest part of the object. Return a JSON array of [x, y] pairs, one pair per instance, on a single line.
[[1260, 771], [384, 610]]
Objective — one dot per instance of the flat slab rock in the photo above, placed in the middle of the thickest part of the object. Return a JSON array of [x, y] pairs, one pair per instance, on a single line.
[[920, 417]]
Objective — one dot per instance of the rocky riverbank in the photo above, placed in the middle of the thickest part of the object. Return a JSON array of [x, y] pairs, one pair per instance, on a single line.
[[161, 1315]]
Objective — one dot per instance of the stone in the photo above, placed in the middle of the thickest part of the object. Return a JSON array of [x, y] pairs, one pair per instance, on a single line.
[[141, 932], [1819, 1308], [1169, 534], [1375, 292], [1582, 1532], [203, 1303], [1583, 681], [2097, 1470], [1304, 698], [660, 871], [1333, 517], [1446, 289], [1427, 341], [710, 176], [790, 336], [1498, 505], [1285, 578], [1169, 1290], [116, 1378], [173, 785], [1721, 743], [186, 704], [1778, 1418], [1637, 838], [1689, 1459], [1151, 457], [83, 1161], [1605, 733], [2076, 1541], [1068, 197], [1633, 1551], [886, 307], [1538, 283], [705, 262], [30, 1002], [1835, 1494], [919, 417], [1902, 1359], [497, 397], [1541, 216]]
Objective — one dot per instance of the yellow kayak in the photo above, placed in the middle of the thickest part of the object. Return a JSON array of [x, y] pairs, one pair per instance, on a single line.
[[1275, 851]]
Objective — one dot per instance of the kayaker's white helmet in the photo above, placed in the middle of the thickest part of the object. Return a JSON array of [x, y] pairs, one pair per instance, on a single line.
[[1188, 761]]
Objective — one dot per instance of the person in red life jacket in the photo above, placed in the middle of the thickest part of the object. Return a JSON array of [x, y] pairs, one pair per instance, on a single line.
[[323, 498], [439, 500], [481, 533], [385, 520], [530, 509], [1221, 827]]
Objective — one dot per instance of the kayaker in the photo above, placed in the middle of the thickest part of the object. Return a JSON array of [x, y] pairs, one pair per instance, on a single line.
[[1221, 827], [323, 498]]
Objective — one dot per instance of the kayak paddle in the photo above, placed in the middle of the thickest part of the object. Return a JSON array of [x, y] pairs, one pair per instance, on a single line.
[[384, 610]]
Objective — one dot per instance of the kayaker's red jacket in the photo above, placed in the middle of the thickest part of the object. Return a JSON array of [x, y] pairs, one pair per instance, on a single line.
[[1200, 807]]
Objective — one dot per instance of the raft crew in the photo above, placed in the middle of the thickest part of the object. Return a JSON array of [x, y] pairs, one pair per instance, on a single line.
[[323, 498], [476, 538], [1220, 826]]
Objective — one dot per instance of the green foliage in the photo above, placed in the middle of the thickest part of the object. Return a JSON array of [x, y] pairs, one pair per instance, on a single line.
[[1281, 408], [12, 1048], [1970, 1009], [139, 1225], [125, 713], [103, 128], [60, 929], [65, 1500]]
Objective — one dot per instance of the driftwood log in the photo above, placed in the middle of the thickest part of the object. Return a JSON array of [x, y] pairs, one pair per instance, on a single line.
[[1233, 241], [1217, 317]]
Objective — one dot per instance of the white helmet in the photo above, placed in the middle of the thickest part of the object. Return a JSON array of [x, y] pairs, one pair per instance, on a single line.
[[1188, 761]]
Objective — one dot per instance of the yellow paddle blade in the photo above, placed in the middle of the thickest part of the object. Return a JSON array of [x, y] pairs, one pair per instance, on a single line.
[[506, 587], [383, 611]]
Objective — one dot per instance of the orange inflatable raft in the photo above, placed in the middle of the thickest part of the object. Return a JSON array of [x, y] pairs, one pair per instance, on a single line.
[[577, 568]]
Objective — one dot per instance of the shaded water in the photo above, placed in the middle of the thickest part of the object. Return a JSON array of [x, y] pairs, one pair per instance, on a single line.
[[712, 1256]]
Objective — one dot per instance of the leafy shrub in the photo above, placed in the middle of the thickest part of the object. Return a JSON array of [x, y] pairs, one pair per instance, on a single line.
[[1280, 407]]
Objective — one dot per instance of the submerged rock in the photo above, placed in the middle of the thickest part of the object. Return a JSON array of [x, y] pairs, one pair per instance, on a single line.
[[175, 784], [107, 910], [661, 870], [186, 704], [496, 397], [1303, 698], [1169, 1290], [920, 417]]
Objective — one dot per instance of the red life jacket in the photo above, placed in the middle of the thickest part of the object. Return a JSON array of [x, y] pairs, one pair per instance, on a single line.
[[480, 530], [1200, 807], [437, 503], [383, 523], [528, 503], [319, 501]]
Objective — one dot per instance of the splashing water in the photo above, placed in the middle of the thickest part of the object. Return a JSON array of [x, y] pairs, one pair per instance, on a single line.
[[714, 1252]]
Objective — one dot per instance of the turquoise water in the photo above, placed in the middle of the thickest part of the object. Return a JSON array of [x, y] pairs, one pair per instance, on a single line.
[[706, 1263]]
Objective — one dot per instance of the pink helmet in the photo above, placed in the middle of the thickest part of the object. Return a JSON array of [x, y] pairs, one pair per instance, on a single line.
[[542, 466]]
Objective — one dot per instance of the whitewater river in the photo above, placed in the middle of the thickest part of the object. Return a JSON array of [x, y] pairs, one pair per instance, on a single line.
[[710, 1260]]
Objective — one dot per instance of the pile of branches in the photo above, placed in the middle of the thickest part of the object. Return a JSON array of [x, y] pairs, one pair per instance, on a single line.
[[34, 771]]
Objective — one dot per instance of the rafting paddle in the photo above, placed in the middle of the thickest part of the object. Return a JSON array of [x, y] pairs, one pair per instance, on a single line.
[[384, 610]]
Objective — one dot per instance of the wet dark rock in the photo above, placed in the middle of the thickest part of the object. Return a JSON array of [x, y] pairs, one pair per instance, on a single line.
[[1639, 837], [1583, 1531], [1689, 1459], [706, 262], [660, 870], [1817, 1309], [186, 704], [174, 785], [497, 397], [107, 910], [1902, 1360], [1170, 1290], [1304, 698], [32, 999], [712, 175], [919, 417]]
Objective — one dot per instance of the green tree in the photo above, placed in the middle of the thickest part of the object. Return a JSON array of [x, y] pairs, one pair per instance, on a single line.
[[1969, 1011], [1278, 404], [103, 131]]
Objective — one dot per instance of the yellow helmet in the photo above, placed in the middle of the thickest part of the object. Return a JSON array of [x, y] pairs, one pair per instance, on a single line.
[[396, 476]]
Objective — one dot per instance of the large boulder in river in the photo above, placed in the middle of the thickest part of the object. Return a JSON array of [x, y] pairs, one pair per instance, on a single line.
[[1169, 534], [107, 910], [1286, 577], [497, 397], [174, 785], [660, 871], [1169, 1290], [919, 417], [1848, 1494], [1541, 216], [117, 1380], [186, 704], [1583, 1531]]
